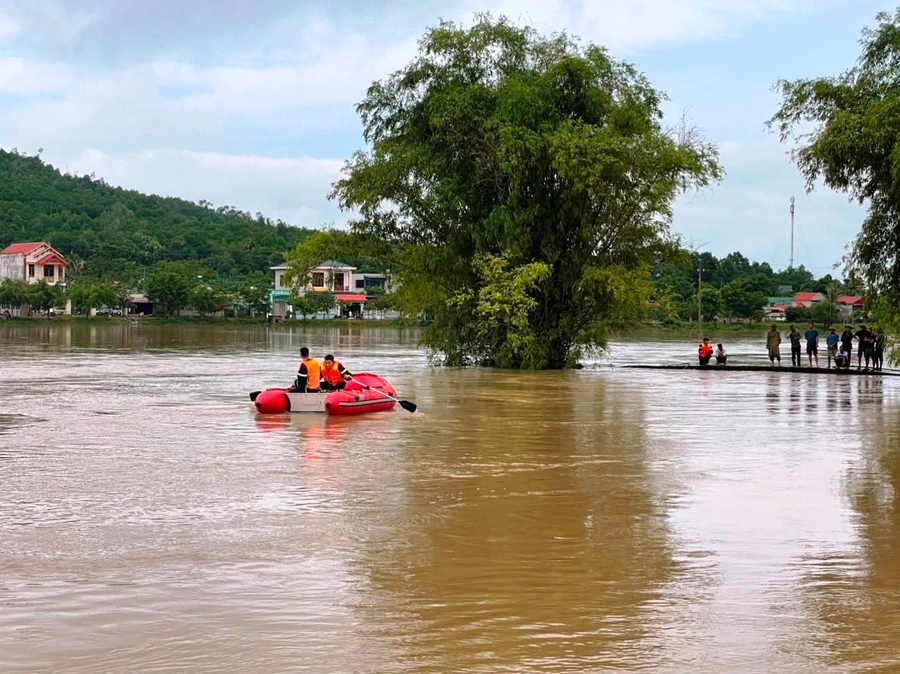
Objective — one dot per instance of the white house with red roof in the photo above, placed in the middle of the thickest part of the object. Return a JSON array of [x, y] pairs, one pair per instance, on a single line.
[[32, 262]]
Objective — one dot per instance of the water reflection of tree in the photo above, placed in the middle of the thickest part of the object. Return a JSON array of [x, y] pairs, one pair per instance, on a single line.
[[853, 593], [529, 535]]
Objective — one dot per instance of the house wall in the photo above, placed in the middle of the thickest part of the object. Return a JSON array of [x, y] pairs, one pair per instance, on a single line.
[[12, 267]]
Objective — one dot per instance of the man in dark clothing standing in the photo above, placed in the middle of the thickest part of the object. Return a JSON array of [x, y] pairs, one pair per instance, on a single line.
[[794, 336], [865, 346], [847, 341]]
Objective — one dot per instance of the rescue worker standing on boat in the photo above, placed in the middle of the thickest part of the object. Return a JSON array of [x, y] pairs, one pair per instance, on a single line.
[[309, 374], [334, 375]]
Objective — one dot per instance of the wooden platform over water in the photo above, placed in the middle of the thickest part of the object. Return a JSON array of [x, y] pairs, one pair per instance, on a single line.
[[786, 369]]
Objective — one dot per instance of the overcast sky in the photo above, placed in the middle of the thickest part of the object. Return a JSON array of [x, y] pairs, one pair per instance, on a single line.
[[250, 102]]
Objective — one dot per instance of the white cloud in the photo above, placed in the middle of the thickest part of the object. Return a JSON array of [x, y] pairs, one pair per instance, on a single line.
[[291, 189], [9, 27], [631, 25], [191, 117], [749, 212]]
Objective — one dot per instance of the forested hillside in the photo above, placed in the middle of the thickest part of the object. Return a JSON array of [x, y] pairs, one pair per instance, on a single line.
[[116, 234]]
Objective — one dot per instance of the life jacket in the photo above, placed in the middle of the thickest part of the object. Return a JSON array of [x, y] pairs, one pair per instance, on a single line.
[[313, 374], [705, 350], [332, 374]]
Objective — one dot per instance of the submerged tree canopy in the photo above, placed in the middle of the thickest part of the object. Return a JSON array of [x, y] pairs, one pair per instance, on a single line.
[[847, 133], [523, 186]]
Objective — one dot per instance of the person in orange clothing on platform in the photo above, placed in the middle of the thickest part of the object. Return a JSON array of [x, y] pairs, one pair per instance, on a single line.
[[334, 375], [309, 374], [705, 351]]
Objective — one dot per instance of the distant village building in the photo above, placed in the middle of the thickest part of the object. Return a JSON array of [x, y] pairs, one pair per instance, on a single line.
[[776, 308], [350, 290], [808, 300], [850, 306], [32, 262]]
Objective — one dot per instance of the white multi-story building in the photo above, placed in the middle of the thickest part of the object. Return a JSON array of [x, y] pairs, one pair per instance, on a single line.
[[350, 289]]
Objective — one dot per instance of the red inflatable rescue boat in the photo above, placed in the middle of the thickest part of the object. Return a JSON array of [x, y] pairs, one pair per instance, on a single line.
[[364, 393]]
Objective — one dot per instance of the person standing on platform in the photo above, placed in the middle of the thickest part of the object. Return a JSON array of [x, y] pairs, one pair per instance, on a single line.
[[878, 357], [864, 337], [773, 345], [812, 343], [794, 336], [847, 342], [831, 341]]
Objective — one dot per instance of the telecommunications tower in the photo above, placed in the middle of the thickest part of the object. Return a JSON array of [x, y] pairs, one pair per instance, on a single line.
[[791, 266]]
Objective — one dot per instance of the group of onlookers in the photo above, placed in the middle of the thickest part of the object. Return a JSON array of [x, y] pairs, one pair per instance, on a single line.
[[839, 347]]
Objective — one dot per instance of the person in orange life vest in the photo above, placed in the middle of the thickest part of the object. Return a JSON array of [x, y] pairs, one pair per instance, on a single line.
[[309, 374], [334, 375], [705, 351]]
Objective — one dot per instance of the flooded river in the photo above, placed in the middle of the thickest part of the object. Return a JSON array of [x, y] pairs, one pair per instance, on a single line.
[[600, 520]]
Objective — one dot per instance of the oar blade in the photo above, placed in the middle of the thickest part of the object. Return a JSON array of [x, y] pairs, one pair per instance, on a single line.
[[254, 395], [408, 406]]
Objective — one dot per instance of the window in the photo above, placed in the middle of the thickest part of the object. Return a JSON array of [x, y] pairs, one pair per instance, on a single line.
[[48, 271], [31, 271], [339, 282], [278, 280], [360, 283], [318, 279]]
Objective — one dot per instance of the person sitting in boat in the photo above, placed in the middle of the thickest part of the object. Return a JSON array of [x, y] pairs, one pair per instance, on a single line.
[[309, 374], [721, 356], [334, 375], [705, 351]]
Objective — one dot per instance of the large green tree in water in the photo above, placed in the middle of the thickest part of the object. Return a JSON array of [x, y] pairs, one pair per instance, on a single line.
[[524, 185], [846, 131]]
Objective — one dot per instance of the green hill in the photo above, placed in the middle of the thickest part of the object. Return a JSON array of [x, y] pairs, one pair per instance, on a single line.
[[117, 234]]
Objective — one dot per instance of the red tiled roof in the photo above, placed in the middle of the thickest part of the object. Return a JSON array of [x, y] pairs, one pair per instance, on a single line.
[[350, 298], [805, 297], [51, 258], [21, 248], [850, 299]]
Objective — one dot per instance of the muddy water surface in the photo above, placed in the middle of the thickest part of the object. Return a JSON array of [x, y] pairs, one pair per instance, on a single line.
[[600, 520]]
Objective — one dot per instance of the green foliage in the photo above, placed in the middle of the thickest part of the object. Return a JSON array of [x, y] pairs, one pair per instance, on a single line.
[[205, 299], [497, 326], [824, 313], [87, 296], [113, 234], [675, 284], [254, 291], [746, 297], [846, 131], [44, 297], [498, 146], [169, 285], [14, 294], [320, 302]]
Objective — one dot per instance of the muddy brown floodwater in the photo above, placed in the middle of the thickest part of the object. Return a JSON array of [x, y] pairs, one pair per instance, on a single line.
[[599, 520]]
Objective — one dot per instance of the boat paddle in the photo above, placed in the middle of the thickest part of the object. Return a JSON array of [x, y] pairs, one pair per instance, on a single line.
[[405, 404]]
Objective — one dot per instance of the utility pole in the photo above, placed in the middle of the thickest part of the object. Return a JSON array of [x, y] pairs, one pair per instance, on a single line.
[[700, 295], [791, 266]]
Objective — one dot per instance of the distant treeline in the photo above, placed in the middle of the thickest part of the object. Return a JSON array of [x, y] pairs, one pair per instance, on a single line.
[[732, 287], [113, 234]]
